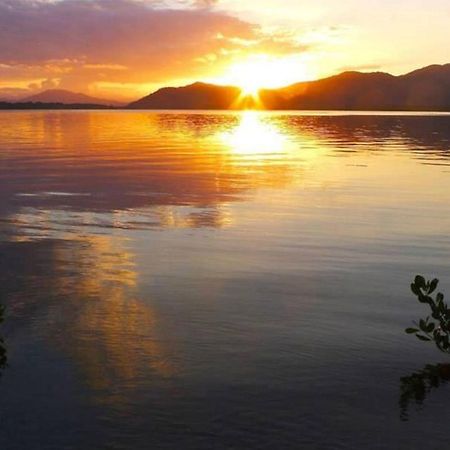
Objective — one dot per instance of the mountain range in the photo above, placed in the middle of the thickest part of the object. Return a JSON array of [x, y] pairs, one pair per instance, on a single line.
[[426, 89], [423, 89], [195, 96], [67, 98]]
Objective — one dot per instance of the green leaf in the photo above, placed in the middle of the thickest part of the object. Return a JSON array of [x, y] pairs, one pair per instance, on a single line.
[[411, 330], [433, 285], [415, 289], [419, 281], [423, 338]]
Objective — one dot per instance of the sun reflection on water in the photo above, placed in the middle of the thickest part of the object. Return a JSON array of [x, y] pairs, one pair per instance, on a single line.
[[254, 136], [112, 336]]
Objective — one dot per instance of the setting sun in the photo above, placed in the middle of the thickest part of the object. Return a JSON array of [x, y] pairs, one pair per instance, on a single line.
[[265, 72]]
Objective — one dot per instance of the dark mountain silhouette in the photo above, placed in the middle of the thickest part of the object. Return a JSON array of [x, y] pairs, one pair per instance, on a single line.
[[430, 85], [195, 96], [423, 89], [50, 106], [349, 90], [67, 97], [426, 89]]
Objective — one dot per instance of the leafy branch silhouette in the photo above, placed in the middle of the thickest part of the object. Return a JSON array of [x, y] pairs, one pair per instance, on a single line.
[[434, 328], [437, 327]]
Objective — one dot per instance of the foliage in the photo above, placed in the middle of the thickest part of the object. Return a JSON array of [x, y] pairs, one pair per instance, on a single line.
[[437, 327]]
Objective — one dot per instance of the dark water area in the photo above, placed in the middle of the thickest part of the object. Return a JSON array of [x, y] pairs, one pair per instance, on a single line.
[[219, 281]]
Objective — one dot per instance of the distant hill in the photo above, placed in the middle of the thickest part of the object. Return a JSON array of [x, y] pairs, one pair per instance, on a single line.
[[426, 89], [8, 98], [195, 96], [428, 86], [349, 90], [67, 97], [49, 106]]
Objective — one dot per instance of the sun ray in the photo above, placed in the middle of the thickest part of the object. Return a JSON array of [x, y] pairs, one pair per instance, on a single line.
[[262, 71]]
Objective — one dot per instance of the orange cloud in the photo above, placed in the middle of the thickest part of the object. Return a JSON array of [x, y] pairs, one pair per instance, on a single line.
[[79, 44]]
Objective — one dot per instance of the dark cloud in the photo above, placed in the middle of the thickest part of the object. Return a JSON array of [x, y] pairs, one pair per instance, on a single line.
[[78, 41], [106, 30]]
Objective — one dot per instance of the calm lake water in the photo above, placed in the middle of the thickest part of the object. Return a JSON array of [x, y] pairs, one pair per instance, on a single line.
[[219, 281]]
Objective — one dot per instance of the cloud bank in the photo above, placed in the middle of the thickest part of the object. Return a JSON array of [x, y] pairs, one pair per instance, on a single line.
[[81, 45]]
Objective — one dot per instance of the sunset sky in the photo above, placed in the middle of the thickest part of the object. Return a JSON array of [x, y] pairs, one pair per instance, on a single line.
[[124, 49]]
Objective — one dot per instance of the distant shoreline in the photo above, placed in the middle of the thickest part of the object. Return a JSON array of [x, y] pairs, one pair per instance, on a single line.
[[423, 90], [7, 106], [87, 107]]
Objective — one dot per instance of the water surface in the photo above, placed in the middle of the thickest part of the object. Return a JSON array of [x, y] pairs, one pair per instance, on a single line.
[[227, 280]]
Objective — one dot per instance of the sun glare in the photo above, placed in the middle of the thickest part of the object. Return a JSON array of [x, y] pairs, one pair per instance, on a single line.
[[265, 72]]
